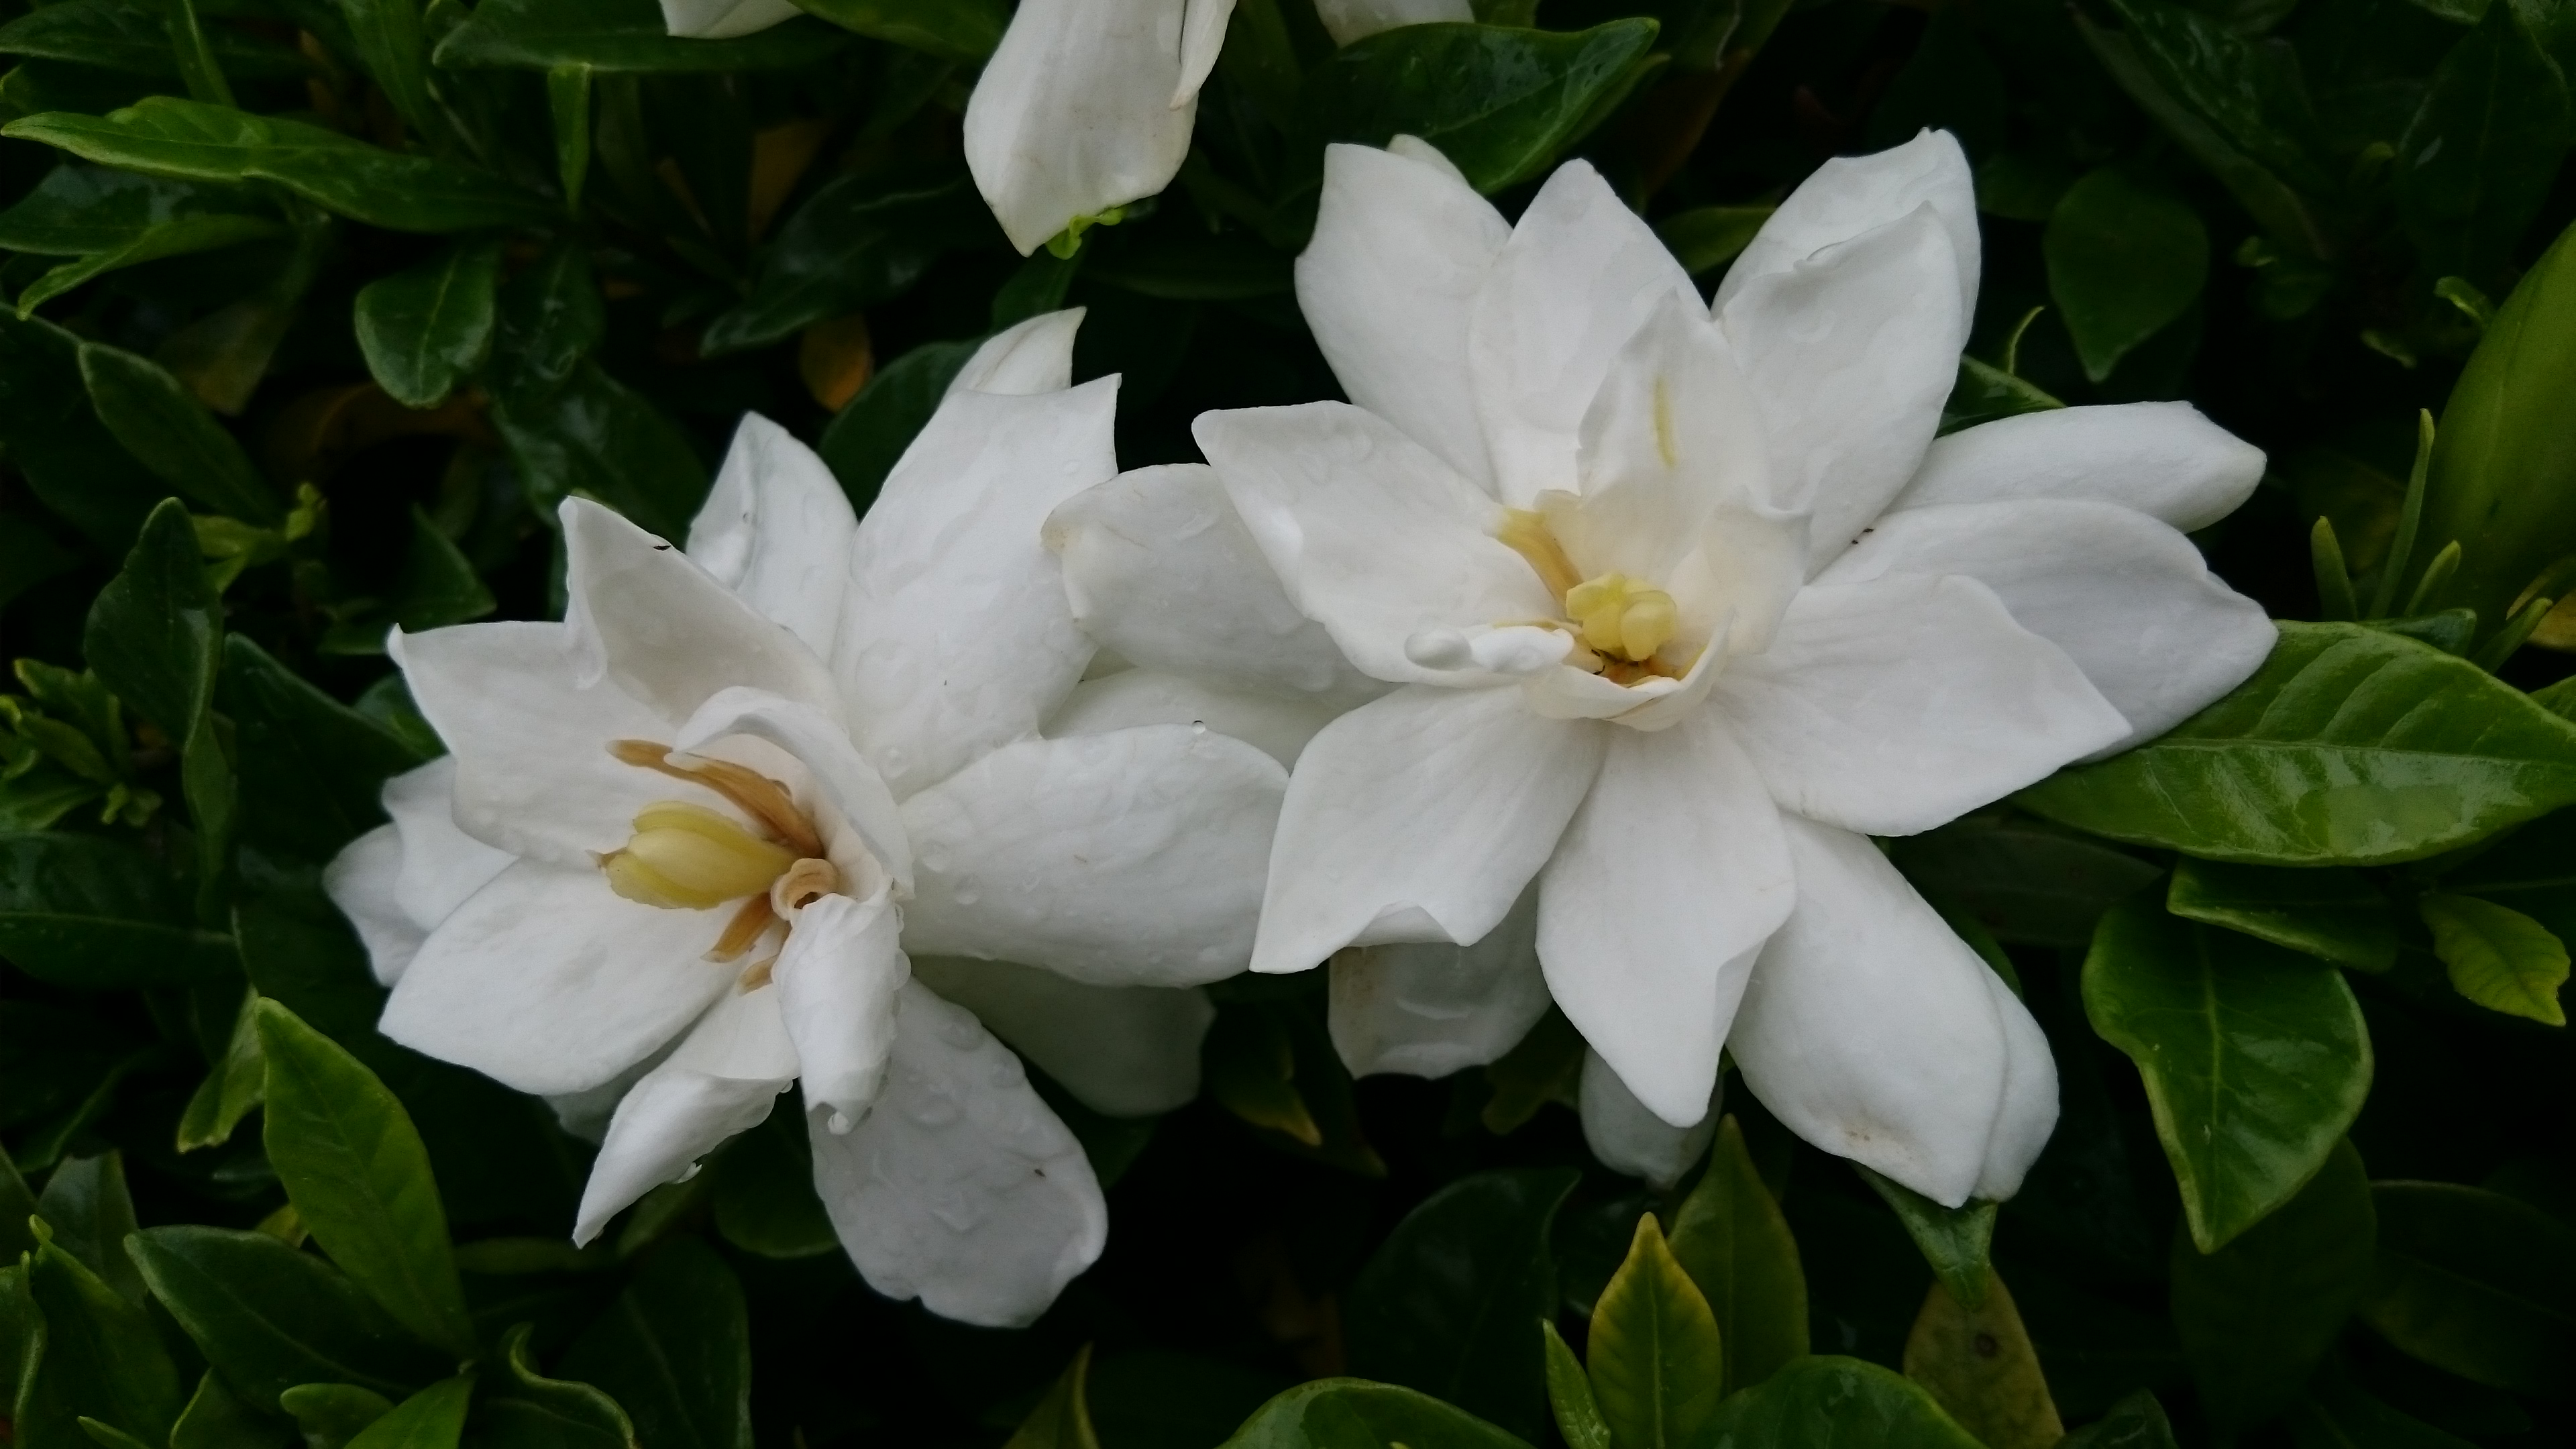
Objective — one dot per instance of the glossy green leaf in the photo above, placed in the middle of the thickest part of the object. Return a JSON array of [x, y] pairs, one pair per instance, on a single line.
[[2533, 870], [391, 45], [2498, 957], [311, 767], [99, 913], [55, 442], [17, 1204], [619, 35], [87, 1205], [101, 1358], [675, 1351], [167, 430], [953, 29], [2348, 747], [549, 317], [2125, 260], [1706, 238], [166, 136], [1343, 1413], [2025, 880], [597, 437], [434, 1418], [2336, 914], [1450, 1301], [2503, 479], [2255, 1058], [1831, 1402], [330, 1415], [112, 219], [2256, 1315], [216, 1418], [1500, 103], [153, 636], [1657, 1366], [1062, 1418], [424, 329], [868, 437], [125, 35], [1569, 1394], [1978, 1364], [852, 245], [1985, 392], [270, 1317], [2477, 162], [356, 1171], [2136, 1422], [763, 1186], [1954, 1241], [523, 1409], [1730, 1238], [2475, 1283]]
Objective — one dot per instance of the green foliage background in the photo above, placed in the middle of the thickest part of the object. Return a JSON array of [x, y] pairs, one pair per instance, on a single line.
[[316, 308]]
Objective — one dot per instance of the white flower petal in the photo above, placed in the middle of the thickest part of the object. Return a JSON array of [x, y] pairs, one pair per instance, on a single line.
[[533, 772], [1132, 858], [1868, 1028], [837, 978], [724, 1079], [1277, 727], [1892, 706], [1025, 358], [1370, 533], [1418, 817], [549, 983], [1202, 37], [1579, 275], [1849, 195], [360, 881], [2161, 458], [958, 636], [1628, 1137], [776, 530], [2027, 1112], [724, 19], [1428, 1009], [1076, 113], [1850, 355], [1669, 878], [960, 1188], [441, 865], [1349, 20], [2130, 600], [1123, 1051], [1159, 569], [642, 617], [856, 792], [1401, 245]]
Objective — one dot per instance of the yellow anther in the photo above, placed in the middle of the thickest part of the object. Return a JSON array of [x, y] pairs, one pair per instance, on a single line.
[[1527, 534], [687, 857], [1620, 617]]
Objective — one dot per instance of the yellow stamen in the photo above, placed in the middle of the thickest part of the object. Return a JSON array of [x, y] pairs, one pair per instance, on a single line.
[[687, 857], [760, 797], [1620, 617], [1527, 534]]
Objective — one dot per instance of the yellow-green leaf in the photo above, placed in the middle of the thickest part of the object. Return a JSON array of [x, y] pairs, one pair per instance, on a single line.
[[1731, 1239], [1062, 1420], [1658, 1369], [1569, 1395], [1979, 1364], [2498, 957]]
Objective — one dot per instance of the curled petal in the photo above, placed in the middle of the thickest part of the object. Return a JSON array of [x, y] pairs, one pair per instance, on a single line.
[[2161, 458], [837, 978], [1122, 1051], [1427, 1009], [857, 793], [360, 881], [1024, 358], [724, 1079], [1627, 1135], [776, 530], [724, 19], [1084, 106], [1349, 20], [1849, 195]]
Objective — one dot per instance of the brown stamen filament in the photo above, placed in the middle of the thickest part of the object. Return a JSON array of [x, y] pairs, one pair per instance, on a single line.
[[760, 797], [756, 975], [744, 931]]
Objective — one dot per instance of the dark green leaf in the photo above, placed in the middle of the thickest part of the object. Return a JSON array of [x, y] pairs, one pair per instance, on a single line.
[[1501, 104], [2136, 1422], [1182, 265], [424, 329], [2476, 1283], [675, 1350], [168, 431], [1656, 1364], [1706, 238], [124, 35], [356, 1171], [216, 1419], [1569, 1395], [1985, 392], [86, 1204], [1954, 1241], [1831, 1402], [112, 219], [852, 245], [387, 36], [269, 1317], [2255, 1058], [763, 1184], [1730, 1237], [2348, 747], [1357, 1414], [2498, 957], [2025, 880], [868, 437], [434, 1418], [619, 35], [166, 136], [17, 1204], [97, 913], [2477, 162], [954, 29], [2257, 1315], [1449, 1303], [330, 1415], [597, 437], [56, 443], [311, 767], [2338, 1415], [548, 319], [2532, 870], [1979, 1365], [101, 1357], [2125, 260], [2336, 914], [526, 1410]]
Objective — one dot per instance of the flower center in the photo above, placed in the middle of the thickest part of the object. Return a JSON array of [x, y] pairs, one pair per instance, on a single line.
[[686, 857], [1620, 622]]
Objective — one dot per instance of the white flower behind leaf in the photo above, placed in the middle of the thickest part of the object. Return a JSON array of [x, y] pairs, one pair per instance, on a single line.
[[687, 842], [1681, 604]]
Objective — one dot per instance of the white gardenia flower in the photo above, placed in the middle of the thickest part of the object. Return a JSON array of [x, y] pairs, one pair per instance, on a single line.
[[724, 19], [1349, 20], [1087, 105], [1683, 604], [780, 807]]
